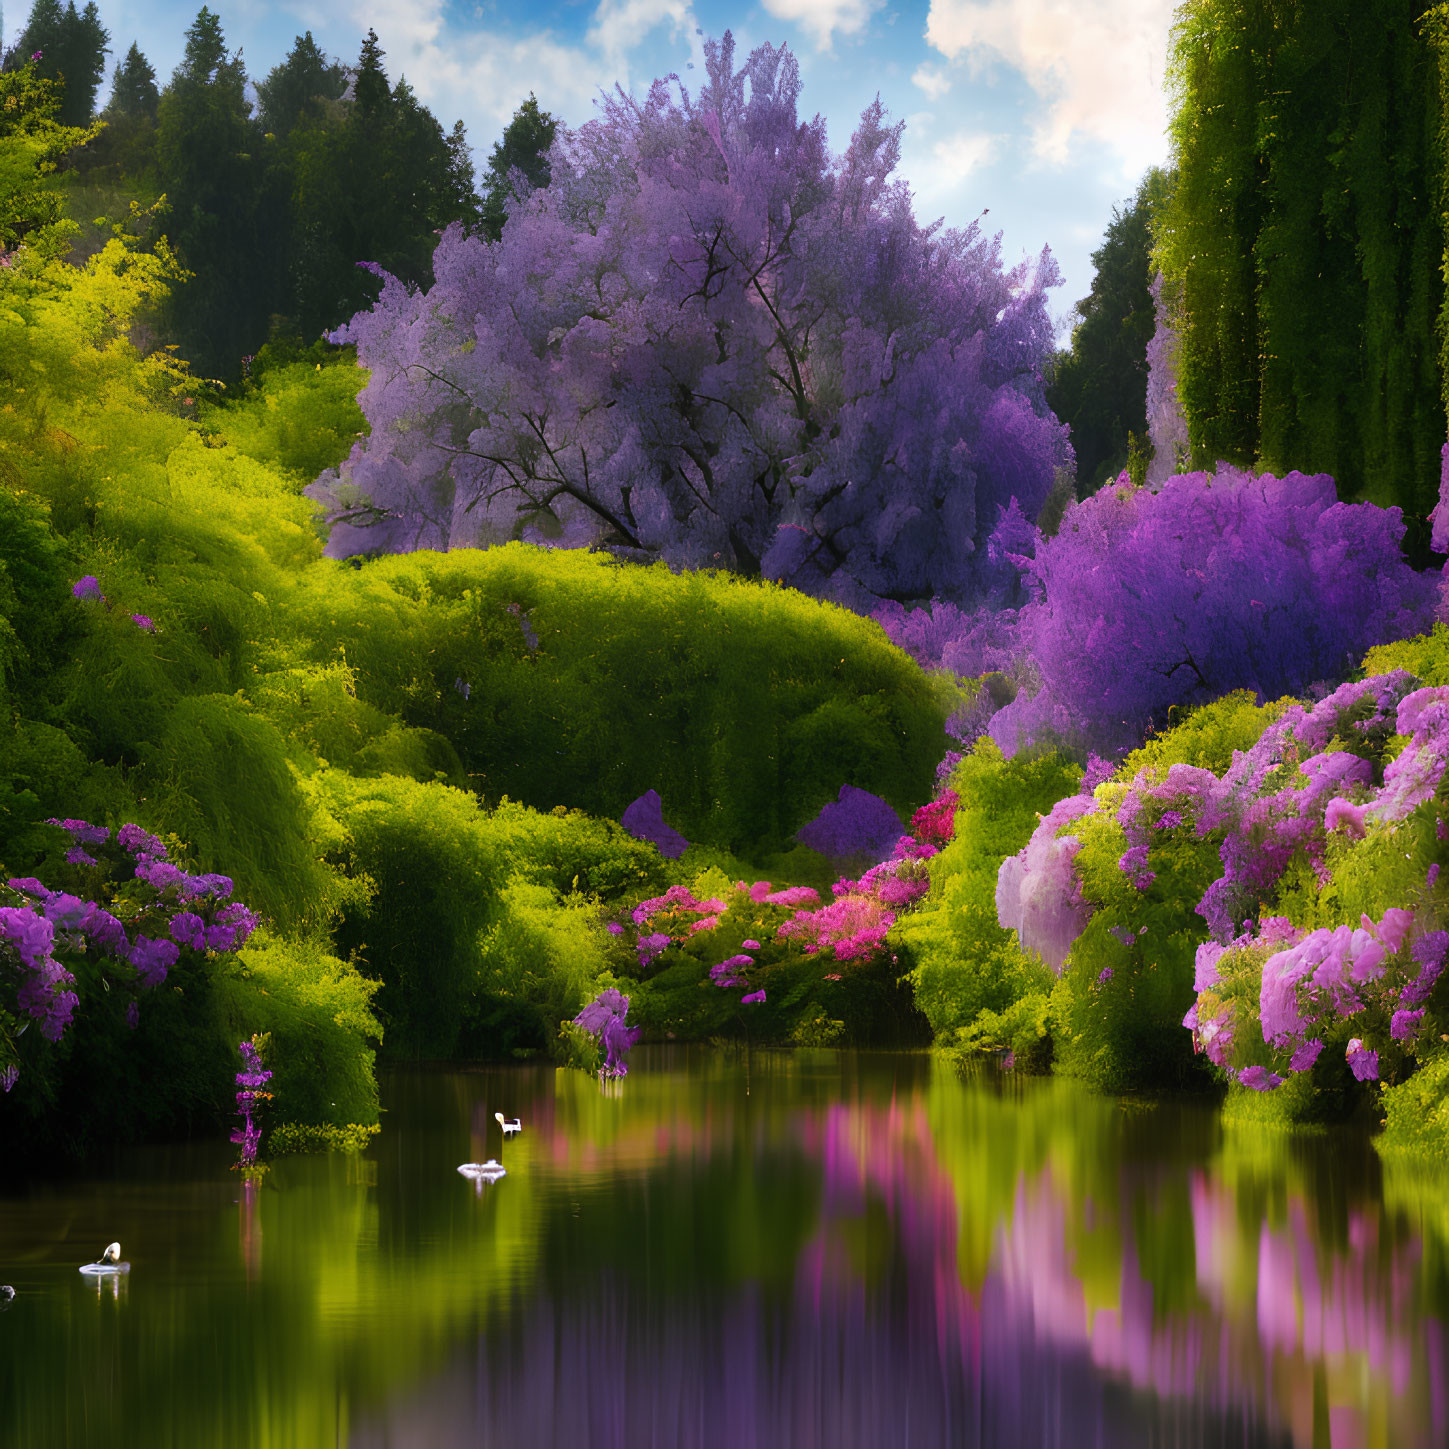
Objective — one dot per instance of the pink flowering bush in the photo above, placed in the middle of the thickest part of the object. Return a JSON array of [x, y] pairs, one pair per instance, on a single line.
[[719, 955], [1281, 1002]]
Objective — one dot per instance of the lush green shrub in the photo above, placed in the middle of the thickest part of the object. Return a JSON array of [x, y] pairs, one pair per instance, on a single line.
[[224, 783], [564, 678], [977, 988], [299, 417], [433, 874], [539, 962], [317, 1010]]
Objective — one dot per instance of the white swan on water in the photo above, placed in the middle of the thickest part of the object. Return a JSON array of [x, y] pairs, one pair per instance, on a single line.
[[108, 1263], [510, 1125], [489, 1171]]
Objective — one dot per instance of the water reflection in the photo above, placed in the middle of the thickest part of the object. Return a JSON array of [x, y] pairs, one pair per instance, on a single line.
[[824, 1249]]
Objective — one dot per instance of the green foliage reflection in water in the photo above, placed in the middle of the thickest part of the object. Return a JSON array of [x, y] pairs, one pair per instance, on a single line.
[[1116, 1229]]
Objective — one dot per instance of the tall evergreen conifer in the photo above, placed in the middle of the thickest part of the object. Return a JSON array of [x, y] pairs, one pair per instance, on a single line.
[[522, 147]]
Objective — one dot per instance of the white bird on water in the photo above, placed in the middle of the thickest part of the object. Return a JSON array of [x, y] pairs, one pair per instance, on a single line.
[[481, 1172], [108, 1262], [7, 1294], [510, 1125]]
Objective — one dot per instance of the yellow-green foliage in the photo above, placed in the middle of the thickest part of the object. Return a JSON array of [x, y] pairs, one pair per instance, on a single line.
[[289, 1139], [317, 1010], [433, 874], [224, 785], [317, 710], [1208, 735], [540, 962], [745, 705], [570, 851], [977, 988], [1425, 656], [299, 418], [1416, 1112]]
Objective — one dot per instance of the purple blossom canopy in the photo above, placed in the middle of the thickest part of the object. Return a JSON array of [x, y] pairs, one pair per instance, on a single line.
[[709, 340]]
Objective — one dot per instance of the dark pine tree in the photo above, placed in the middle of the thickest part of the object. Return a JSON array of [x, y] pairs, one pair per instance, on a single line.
[[297, 90], [125, 150], [376, 182], [208, 168], [134, 96], [72, 45], [524, 148], [1099, 387]]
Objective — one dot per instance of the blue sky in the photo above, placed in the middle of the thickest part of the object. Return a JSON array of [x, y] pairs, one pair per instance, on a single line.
[[1045, 112]]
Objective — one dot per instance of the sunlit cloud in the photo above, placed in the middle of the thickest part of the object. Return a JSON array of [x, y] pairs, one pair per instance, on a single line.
[[1097, 65], [933, 80], [822, 18], [485, 75], [620, 25], [937, 169]]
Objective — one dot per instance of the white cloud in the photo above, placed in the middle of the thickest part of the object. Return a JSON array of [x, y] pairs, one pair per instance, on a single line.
[[937, 169], [619, 25], [1097, 64], [823, 17], [931, 79], [484, 76]]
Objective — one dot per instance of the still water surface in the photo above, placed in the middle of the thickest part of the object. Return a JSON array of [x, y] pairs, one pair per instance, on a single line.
[[774, 1252]]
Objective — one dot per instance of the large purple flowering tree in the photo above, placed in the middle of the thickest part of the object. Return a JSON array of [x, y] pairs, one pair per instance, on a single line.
[[710, 341]]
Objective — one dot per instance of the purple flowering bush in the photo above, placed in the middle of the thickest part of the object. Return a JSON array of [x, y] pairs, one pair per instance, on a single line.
[[605, 1023], [139, 933], [83, 960], [1213, 583], [1267, 875], [251, 1082]]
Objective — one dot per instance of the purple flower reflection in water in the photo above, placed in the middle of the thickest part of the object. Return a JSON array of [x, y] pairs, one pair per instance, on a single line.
[[915, 1308]]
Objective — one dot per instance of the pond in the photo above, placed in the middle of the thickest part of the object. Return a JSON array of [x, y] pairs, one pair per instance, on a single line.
[[752, 1251]]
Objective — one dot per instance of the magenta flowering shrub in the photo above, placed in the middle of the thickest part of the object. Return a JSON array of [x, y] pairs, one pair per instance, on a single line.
[[152, 911], [700, 952], [935, 822]]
